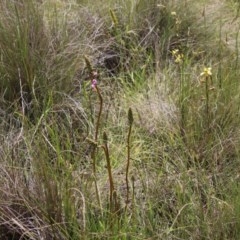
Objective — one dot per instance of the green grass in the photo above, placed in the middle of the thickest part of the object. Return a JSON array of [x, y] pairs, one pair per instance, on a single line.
[[151, 151]]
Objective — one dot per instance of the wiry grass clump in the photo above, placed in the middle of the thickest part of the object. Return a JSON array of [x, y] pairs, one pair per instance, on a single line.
[[119, 121]]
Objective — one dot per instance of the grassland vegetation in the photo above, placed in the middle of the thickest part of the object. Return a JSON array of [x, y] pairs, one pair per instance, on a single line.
[[119, 120]]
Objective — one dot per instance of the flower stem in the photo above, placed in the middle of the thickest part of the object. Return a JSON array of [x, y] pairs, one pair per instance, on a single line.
[[130, 120], [110, 177]]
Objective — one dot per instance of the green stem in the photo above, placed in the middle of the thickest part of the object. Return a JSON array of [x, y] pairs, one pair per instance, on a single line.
[[99, 113], [111, 184], [207, 101], [93, 154], [182, 104], [128, 160]]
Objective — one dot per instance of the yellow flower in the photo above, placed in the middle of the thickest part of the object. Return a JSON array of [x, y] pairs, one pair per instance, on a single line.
[[175, 52], [206, 72], [179, 58]]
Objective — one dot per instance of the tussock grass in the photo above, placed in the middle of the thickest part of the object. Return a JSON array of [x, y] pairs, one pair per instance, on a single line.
[[119, 121]]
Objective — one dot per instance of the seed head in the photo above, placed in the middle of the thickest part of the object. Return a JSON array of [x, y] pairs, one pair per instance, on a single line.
[[130, 116]]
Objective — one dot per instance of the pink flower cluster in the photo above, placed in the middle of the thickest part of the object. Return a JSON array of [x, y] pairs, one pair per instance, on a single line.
[[94, 80], [94, 83]]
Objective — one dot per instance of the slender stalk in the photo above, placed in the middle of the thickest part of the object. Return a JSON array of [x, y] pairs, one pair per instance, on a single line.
[[93, 75], [207, 101], [99, 113], [93, 154], [110, 177], [130, 120], [182, 104]]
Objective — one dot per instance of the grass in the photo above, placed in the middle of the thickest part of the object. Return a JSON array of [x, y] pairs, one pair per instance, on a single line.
[[119, 121]]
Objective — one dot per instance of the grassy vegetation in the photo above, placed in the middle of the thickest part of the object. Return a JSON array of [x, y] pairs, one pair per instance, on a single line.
[[119, 120]]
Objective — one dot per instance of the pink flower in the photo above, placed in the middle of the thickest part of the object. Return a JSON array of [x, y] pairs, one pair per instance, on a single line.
[[94, 83]]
